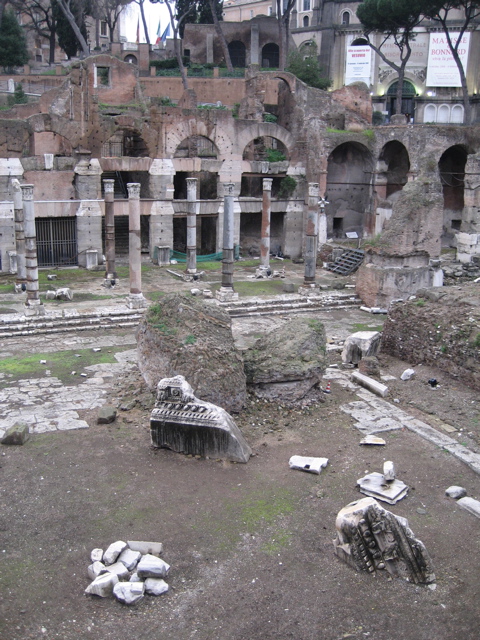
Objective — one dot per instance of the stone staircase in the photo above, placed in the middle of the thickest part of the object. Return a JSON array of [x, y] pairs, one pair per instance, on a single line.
[[19, 325], [292, 303]]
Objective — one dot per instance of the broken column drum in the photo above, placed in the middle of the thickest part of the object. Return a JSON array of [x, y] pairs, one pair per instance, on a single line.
[[370, 538], [191, 225], [21, 278], [110, 271], [33, 303], [311, 234], [185, 424], [266, 214], [135, 298]]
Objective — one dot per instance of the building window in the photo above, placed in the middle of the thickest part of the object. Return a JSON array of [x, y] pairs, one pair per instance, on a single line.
[[269, 11], [251, 13], [346, 18], [306, 5], [305, 21], [103, 28], [103, 76]]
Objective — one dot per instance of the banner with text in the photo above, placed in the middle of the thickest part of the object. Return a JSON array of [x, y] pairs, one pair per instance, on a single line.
[[358, 64], [442, 69]]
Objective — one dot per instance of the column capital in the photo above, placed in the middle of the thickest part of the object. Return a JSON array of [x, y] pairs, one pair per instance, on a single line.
[[267, 184], [109, 185], [229, 188], [27, 191], [133, 190], [191, 181]]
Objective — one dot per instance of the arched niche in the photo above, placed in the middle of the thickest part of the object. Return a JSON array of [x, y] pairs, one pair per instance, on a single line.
[[266, 149], [349, 176], [237, 52], [451, 167], [196, 147], [270, 55], [125, 142], [395, 156]]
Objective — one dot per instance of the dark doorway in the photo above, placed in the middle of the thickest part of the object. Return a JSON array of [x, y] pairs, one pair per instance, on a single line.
[[270, 56], [237, 53], [408, 98], [180, 234], [208, 230]]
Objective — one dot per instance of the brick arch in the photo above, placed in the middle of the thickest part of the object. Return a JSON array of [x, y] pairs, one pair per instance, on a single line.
[[261, 129], [186, 129], [288, 78]]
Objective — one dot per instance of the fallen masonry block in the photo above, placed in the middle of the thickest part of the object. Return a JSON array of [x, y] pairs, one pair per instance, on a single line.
[[129, 558], [470, 505], [153, 548], [129, 592], [361, 344], [96, 555], [96, 569], [370, 538], [304, 463], [17, 434], [185, 424], [369, 383], [152, 567], [373, 440], [119, 569], [155, 586], [103, 585], [106, 414], [456, 492], [375, 485], [113, 551]]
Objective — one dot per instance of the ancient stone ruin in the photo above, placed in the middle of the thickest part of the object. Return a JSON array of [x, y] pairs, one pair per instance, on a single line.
[[184, 335], [287, 365], [185, 424], [370, 538]]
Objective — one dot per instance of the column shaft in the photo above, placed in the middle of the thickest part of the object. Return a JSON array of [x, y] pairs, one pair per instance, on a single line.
[[266, 215], [19, 233], [311, 241], [191, 225], [110, 269]]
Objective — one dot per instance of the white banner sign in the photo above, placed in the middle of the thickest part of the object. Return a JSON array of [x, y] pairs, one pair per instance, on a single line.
[[358, 64], [442, 69]]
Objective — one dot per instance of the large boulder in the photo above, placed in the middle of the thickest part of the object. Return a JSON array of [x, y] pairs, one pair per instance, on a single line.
[[187, 336], [287, 363]]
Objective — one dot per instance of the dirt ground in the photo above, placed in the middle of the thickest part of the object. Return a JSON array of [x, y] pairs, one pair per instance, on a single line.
[[250, 546]]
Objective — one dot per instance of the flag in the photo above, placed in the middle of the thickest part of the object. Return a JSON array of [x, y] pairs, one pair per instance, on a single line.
[[166, 33], [157, 41], [138, 31]]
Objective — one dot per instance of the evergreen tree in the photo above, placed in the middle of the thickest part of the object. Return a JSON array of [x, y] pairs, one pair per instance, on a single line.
[[67, 40], [303, 63], [13, 44], [200, 12]]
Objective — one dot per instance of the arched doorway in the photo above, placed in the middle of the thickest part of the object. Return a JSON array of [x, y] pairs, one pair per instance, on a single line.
[[270, 56], [408, 98], [452, 175], [395, 156], [349, 176], [236, 49]]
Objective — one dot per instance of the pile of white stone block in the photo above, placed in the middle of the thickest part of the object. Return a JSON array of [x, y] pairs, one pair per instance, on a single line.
[[128, 571]]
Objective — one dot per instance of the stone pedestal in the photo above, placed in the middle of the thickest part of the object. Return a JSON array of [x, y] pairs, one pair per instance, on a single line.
[[136, 301], [91, 259], [162, 256]]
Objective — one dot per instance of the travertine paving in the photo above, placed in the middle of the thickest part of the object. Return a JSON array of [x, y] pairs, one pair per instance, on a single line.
[[46, 404]]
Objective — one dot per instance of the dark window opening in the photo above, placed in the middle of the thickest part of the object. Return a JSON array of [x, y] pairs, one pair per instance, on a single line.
[[456, 225], [180, 234], [337, 227], [208, 231], [271, 56], [103, 76], [305, 21]]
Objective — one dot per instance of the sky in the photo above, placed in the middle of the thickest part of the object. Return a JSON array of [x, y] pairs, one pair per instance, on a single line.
[[153, 12]]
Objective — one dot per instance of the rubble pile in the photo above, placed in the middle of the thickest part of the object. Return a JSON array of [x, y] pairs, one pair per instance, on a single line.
[[128, 571]]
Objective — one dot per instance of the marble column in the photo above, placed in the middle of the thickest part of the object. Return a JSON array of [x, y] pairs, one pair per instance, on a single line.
[[311, 234], [33, 304], [21, 279], [110, 272], [226, 290], [322, 222], [191, 225], [266, 213], [135, 298]]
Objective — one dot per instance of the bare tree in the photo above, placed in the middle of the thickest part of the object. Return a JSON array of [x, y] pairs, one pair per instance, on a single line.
[[109, 11], [141, 4], [220, 35], [176, 21], [67, 7], [284, 9], [41, 20]]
